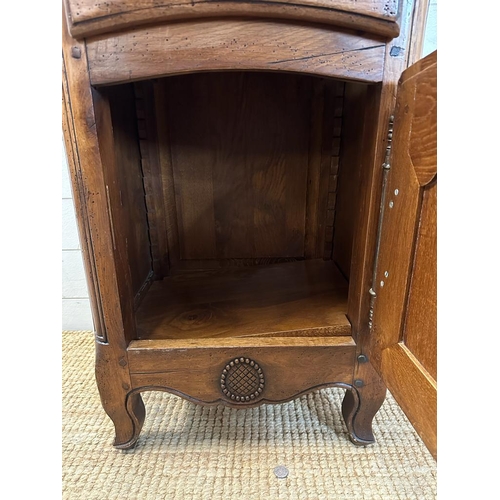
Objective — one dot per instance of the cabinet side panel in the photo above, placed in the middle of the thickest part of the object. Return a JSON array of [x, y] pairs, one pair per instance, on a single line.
[[380, 104], [130, 180], [152, 177], [89, 121], [80, 209], [347, 206]]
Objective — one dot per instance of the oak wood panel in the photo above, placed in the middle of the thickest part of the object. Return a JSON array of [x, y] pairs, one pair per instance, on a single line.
[[349, 172], [421, 314], [71, 148], [297, 297], [239, 154], [329, 148], [87, 18], [192, 145], [132, 207], [290, 366], [152, 350], [313, 213], [326, 113], [330, 154], [379, 106], [85, 10], [423, 139], [166, 172], [211, 45], [93, 151], [401, 222], [152, 176], [396, 251], [116, 209], [405, 285], [186, 266], [414, 389]]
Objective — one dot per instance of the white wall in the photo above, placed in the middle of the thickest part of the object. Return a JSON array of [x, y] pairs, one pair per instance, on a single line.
[[430, 39], [75, 297], [76, 313]]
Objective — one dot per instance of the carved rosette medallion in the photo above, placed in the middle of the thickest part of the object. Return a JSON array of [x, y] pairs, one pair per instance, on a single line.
[[242, 380]]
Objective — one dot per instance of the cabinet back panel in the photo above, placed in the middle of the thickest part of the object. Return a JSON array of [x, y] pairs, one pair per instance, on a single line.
[[241, 147]]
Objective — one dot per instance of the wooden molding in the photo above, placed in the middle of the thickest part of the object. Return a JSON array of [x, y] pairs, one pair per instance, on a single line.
[[215, 45], [87, 18]]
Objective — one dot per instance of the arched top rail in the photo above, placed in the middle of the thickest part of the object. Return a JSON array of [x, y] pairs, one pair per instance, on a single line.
[[90, 17], [229, 44]]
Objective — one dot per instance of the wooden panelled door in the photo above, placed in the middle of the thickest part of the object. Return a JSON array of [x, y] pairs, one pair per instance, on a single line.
[[404, 331]]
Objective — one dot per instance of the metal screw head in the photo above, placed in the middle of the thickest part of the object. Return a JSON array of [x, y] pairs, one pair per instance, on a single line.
[[76, 52], [386, 274], [281, 472], [395, 51], [391, 204], [358, 383], [396, 192], [382, 283], [362, 358]]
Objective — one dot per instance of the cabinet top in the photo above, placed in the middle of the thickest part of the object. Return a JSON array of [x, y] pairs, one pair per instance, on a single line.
[[90, 17]]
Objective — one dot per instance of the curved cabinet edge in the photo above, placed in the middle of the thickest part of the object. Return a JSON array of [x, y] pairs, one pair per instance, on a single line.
[[231, 404], [87, 21], [234, 44]]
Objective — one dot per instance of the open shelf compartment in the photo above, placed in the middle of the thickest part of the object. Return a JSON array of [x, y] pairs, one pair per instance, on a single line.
[[296, 299], [236, 197]]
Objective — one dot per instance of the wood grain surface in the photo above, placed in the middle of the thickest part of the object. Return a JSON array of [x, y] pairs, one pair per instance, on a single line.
[[132, 208], [298, 298], [90, 131], [421, 315], [239, 150], [404, 321], [95, 155], [349, 175], [380, 104], [230, 44], [193, 369], [291, 317], [152, 176], [415, 390], [402, 217], [71, 147], [249, 160], [87, 18]]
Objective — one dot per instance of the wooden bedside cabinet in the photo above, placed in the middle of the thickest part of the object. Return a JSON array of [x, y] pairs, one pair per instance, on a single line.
[[256, 198]]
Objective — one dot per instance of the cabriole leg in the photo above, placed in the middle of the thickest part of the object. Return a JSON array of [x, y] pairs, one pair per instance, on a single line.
[[125, 409], [362, 402]]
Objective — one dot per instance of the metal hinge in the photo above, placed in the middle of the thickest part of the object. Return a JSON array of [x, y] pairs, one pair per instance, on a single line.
[[386, 166]]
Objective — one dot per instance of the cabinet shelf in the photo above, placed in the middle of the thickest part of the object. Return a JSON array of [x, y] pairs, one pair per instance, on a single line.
[[304, 298]]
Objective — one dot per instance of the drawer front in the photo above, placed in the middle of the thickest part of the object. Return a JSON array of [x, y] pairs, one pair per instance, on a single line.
[[87, 17]]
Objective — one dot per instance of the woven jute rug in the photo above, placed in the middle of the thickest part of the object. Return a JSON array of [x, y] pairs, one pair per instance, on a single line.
[[187, 451]]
